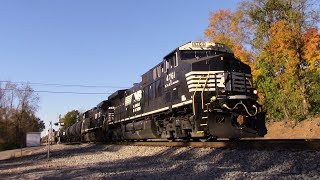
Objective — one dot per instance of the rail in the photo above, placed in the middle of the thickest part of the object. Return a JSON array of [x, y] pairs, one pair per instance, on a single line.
[[265, 144]]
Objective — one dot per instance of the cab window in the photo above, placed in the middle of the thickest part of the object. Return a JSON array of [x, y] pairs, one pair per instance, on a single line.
[[191, 54], [156, 73], [170, 62], [175, 60]]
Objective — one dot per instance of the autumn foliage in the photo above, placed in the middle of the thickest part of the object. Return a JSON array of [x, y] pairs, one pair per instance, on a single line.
[[280, 41], [225, 27]]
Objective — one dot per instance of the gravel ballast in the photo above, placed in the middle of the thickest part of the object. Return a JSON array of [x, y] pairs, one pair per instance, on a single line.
[[99, 161]]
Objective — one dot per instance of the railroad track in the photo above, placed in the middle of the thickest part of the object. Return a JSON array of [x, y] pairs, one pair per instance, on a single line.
[[258, 144], [272, 144]]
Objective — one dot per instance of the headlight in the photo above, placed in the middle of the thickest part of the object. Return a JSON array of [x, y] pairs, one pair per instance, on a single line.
[[255, 91]]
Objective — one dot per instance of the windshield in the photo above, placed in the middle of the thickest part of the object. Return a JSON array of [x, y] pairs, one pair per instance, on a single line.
[[190, 54]]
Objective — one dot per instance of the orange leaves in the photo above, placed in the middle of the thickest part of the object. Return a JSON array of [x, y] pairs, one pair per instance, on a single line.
[[224, 27], [282, 37], [283, 46], [292, 48], [278, 40], [311, 38], [242, 54], [219, 23]]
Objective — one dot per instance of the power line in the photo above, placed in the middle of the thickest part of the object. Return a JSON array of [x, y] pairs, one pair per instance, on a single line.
[[65, 85], [56, 92]]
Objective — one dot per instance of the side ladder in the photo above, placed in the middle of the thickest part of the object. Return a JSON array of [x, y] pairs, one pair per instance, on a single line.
[[203, 124]]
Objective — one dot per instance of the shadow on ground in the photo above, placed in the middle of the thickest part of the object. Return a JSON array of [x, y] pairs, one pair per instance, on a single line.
[[67, 152], [174, 163]]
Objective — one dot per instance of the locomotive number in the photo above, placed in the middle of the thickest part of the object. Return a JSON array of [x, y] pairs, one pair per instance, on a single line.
[[198, 44], [170, 79], [171, 76], [220, 119]]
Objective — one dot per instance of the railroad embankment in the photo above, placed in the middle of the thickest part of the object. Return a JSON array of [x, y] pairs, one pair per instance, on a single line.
[[307, 129]]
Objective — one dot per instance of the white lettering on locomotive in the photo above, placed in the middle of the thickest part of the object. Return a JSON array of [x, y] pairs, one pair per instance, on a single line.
[[133, 98], [171, 76], [170, 79], [198, 44], [136, 107]]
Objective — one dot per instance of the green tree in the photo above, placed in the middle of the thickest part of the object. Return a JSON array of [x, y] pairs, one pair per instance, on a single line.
[[70, 118]]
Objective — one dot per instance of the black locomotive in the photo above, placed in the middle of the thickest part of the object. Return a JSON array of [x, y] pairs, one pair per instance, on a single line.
[[199, 91]]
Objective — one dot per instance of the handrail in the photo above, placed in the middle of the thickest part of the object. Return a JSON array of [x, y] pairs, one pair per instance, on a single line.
[[231, 83], [215, 84], [194, 94], [205, 84], [245, 83]]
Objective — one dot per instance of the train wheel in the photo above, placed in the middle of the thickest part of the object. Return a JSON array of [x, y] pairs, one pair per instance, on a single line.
[[188, 136], [172, 138], [195, 139], [212, 139]]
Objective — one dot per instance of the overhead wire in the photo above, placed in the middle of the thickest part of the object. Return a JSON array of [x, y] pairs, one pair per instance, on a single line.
[[55, 92], [59, 85], [64, 85]]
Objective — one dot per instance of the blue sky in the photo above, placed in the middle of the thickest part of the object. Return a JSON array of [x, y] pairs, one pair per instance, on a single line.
[[105, 43]]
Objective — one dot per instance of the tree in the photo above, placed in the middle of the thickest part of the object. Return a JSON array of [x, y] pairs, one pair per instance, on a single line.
[[225, 27], [311, 53], [260, 15], [280, 39], [280, 27], [285, 60], [18, 105], [70, 118]]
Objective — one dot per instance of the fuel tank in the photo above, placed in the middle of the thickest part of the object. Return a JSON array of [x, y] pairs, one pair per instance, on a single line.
[[145, 129]]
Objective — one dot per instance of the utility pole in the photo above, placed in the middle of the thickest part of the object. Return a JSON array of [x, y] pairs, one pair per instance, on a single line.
[[49, 139], [59, 128], [20, 136], [60, 124]]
